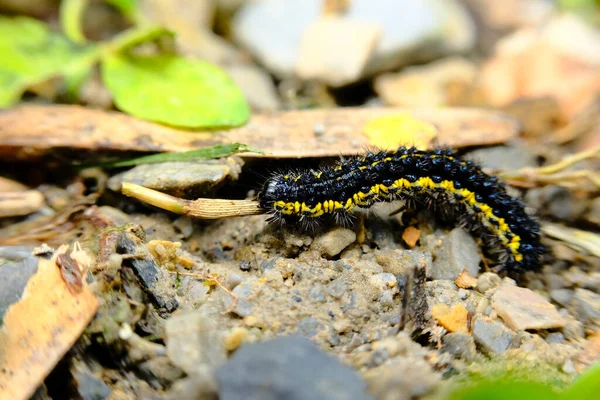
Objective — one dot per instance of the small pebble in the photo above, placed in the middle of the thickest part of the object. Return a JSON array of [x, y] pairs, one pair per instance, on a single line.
[[337, 288], [233, 280], [487, 281], [523, 309], [333, 242], [457, 252], [492, 336]]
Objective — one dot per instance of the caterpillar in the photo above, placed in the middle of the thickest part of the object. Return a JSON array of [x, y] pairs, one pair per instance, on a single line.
[[423, 179]]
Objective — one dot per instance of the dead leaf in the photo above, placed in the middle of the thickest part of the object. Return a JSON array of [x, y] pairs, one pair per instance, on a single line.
[[30, 131], [454, 319], [411, 236], [39, 329], [465, 281]]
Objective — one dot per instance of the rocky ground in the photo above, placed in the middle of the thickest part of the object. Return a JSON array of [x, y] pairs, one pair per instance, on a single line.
[[392, 307]]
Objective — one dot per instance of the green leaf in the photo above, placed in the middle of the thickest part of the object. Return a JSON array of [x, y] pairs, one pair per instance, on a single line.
[[173, 90], [586, 387], [71, 13], [128, 8], [505, 390], [218, 151], [31, 54]]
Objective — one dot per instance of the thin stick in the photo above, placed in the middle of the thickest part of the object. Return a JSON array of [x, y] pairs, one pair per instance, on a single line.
[[199, 208]]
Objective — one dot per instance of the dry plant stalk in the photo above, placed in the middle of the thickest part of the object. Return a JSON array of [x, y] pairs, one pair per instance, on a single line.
[[555, 174], [199, 208]]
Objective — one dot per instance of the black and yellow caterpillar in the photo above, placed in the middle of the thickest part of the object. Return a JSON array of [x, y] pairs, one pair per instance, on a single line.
[[435, 178]]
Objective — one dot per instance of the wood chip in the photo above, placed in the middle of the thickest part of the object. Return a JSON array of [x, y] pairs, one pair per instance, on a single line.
[[465, 281], [16, 204], [33, 130], [39, 329]]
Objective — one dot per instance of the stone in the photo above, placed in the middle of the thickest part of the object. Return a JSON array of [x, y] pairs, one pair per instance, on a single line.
[[240, 306], [333, 242], [309, 327], [257, 86], [555, 337], [424, 86], [13, 279], [194, 341], [179, 178], [487, 281], [523, 309], [503, 157], [562, 296], [460, 345], [492, 336], [402, 378], [274, 31], [90, 387], [587, 305], [383, 281], [457, 252], [337, 288], [335, 50], [288, 367]]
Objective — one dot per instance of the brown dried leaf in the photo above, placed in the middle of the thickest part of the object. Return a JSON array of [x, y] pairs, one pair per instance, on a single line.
[[30, 131], [465, 281], [411, 236], [41, 328]]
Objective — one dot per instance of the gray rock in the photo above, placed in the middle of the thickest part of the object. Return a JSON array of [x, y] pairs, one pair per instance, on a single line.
[[556, 201], [487, 281], [257, 86], [523, 309], [555, 337], [240, 306], [233, 280], [333, 242], [503, 157], [573, 329], [90, 387], [457, 252], [179, 178], [562, 296], [587, 305], [274, 31], [290, 368], [316, 293], [13, 279], [492, 336], [194, 341], [460, 345], [337, 288], [309, 327], [196, 292]]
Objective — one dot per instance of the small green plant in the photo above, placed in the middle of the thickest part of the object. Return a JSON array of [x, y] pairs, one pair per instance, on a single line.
[[163, 87], [586, 387]]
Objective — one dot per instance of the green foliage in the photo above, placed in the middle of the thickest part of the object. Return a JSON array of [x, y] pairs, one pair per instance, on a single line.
[[173, 90], [166, 88], [218, 151], [32, 54], [71, 12], [586, 387]]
